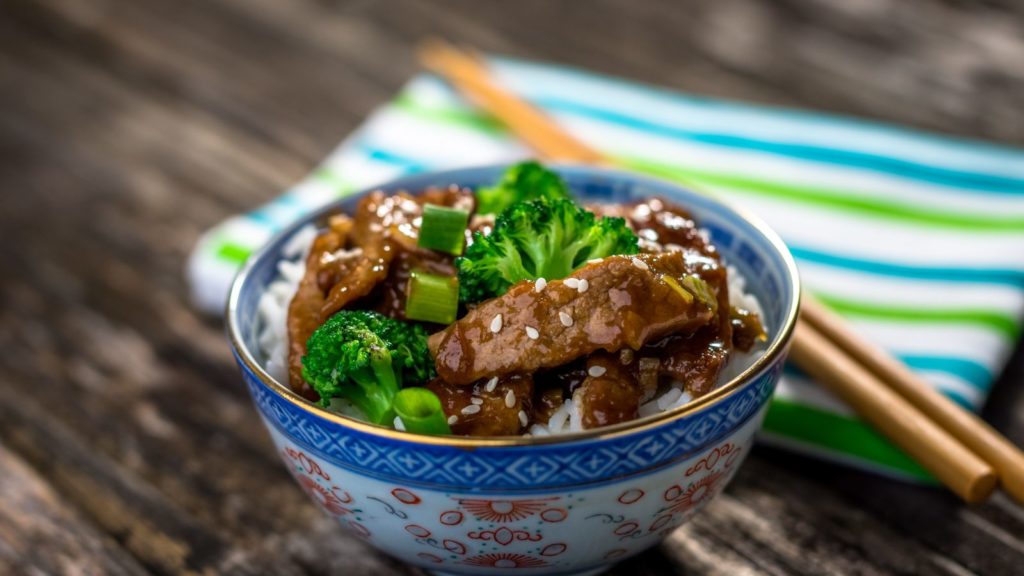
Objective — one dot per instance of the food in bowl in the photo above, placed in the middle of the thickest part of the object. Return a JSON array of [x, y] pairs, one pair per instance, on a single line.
[[512, 310], [549, 504]]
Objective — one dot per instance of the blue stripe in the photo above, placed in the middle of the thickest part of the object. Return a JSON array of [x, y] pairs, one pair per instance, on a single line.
[[795, 372], [967, 150], [278, 213], [876, 162], [260, 217], [969, 371], [963, 402], [410, 164], [1014, 278]]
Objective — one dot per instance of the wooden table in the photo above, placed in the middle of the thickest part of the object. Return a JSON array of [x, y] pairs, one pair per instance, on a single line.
[[127, 127]]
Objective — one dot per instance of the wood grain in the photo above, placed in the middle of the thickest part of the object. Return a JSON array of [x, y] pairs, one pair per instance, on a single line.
[[128, 127]]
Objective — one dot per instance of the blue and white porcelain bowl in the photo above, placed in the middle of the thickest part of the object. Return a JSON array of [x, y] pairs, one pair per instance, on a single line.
[[544, 505]]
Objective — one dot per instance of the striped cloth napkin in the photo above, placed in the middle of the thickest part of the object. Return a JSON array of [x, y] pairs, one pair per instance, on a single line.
[[916, 239]]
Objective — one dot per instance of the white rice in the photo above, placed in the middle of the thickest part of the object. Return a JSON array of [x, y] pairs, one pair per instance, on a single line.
[[273, 341], [273, 305]]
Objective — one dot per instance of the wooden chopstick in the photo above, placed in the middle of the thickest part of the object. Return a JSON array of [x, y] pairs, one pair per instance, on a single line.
[[469, 74], [926, 432], [967, 427], [928, 443]]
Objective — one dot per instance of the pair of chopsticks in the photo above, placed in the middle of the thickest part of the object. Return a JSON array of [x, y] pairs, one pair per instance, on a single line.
[[956, 446]]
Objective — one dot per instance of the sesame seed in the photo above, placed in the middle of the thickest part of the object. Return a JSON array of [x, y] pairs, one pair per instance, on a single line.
[[565, 318], [539, 284], [523, 418], [453, 420], [532, 333], [491, 384], [476, 400], [595, 260], [399, 425], [597, 371], [640, 264], [510, 399], [496, 323], [471, 409], [573, 283], [626, 356], [584, 285]]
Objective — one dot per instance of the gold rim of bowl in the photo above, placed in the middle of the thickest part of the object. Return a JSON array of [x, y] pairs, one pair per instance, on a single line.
[[775, 349]]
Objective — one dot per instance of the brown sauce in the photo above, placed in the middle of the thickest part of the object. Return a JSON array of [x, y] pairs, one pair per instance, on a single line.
[[609, 335]]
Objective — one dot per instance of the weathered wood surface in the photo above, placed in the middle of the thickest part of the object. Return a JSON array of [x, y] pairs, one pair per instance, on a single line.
[[127, 443]]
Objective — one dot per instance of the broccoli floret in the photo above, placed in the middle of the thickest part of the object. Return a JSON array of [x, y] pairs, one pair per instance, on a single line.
[[538, 239], [524, 181], [365, 357]]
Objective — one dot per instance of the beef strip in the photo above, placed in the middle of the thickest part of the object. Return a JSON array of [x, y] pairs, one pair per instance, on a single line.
[[609, 395], [390, 296], [695, 359], [698, 358], [404, 222], [627, 303], [367, 256], [546, 402], [747, 329], [359, 278], [553, 386], [496, 417], [335, 277], [305, 308]]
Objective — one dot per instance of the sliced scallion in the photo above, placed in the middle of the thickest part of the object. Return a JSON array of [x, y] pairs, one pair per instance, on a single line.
[[432, 298], [673, 284], [443, 229], [421, 411], [699, 288]]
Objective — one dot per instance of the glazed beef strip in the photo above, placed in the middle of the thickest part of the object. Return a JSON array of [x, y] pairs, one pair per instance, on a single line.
[[367, 256], [499, 405], [337, 276], [747, 329], [695, 359], [553, 386], [626, 302], [326, 264], [404, 224], [610, 394]]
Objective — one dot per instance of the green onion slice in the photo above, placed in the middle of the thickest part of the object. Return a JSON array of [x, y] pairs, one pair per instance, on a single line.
[[443, 229], [432, 298], [699, 288], [421, 411]]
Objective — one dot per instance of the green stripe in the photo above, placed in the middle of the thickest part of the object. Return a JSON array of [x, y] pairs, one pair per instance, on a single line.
[[406, 102], [228, 251], [1001, 323], [232, 253], [833, 432], [829, 198], [327, 175], [842, 201]]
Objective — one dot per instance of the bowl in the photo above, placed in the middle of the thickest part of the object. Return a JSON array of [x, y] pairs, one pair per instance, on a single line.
[[540, 505]]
